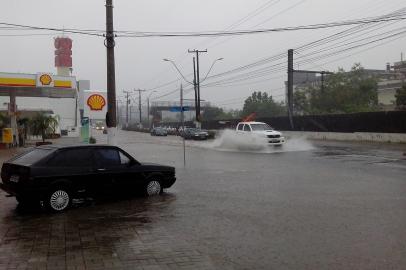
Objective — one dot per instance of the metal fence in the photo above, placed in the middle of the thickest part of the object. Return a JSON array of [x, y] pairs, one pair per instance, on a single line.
[[380, 122]]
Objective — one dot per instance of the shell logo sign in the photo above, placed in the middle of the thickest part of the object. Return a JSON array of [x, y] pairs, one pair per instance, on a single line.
[[96, 102], [45, 79]]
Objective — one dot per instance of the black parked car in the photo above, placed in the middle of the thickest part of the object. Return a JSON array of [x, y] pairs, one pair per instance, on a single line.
[[56, 174], [195, 134]]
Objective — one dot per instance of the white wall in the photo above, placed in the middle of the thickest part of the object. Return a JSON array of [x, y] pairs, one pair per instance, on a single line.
[[63, 107], [83, 85]]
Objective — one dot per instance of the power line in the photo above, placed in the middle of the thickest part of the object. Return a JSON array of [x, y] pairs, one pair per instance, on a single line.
[[250, 15], [319, 42], [71, 31], [259, 31]]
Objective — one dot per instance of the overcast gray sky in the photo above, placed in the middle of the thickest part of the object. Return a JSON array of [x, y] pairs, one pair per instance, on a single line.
[[139, 60]]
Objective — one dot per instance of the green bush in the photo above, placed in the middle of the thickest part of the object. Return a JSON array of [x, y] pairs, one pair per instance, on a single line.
[[92, 140]]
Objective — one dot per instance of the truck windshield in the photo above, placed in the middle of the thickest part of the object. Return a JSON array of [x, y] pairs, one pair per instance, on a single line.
[[256, 127]]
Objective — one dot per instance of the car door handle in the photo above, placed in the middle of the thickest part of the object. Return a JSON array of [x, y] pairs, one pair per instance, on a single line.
[[101, 170]]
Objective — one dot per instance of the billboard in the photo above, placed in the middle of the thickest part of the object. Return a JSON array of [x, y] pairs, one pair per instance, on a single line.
[[63, 52], [95, 104]]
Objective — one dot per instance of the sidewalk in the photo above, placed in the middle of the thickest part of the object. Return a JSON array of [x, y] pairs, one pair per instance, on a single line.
[[7, 153], [355, 136]]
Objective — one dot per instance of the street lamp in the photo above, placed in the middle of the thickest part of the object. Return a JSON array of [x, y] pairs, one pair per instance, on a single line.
[[211, 67], [149, 125], [176, 67], [196, 83]]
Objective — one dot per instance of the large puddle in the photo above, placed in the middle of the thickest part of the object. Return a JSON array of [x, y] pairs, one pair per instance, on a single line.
[[229, 140]]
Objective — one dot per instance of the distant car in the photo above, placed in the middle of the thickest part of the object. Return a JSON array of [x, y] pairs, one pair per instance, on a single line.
[[260, 130], [195, 134], [57, 174], [159, 131]]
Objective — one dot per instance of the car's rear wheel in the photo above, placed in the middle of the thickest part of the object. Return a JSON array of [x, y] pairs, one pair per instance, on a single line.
[[59, 199], [153, 187]]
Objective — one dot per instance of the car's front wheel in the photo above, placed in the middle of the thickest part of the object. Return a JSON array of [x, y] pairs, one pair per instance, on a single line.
[[59, 199], [153, 187]]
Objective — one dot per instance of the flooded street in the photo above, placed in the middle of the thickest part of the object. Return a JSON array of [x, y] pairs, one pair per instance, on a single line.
[[306, 205]]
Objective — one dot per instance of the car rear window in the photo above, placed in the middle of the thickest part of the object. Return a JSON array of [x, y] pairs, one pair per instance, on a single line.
[[32, 156]]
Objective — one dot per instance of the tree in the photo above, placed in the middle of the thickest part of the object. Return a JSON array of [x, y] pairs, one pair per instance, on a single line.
[[215, 113], [343, 92], [4, 120], [43, 124], [401, 97], [300, 102], [263, 105]]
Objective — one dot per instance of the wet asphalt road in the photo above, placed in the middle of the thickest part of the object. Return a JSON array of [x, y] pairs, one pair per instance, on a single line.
[[309, 205]]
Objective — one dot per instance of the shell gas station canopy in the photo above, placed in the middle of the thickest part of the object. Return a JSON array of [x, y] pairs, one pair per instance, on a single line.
[[37, 85]]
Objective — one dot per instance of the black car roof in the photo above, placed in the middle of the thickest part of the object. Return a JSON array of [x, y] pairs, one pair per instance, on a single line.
[[56, 146]]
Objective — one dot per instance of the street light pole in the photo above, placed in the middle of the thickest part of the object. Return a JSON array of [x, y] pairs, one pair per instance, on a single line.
[[182, 119]]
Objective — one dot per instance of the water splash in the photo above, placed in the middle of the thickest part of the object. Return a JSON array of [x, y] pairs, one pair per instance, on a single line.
[[230, 140]]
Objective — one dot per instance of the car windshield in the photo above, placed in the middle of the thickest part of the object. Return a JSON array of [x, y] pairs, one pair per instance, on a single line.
[[258, 127], [32, 156]]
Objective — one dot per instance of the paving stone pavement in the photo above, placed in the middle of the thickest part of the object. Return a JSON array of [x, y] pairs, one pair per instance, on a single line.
[[97, 236]]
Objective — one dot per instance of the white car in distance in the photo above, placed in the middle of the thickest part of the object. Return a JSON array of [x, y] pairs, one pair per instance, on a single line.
[[262, 131]]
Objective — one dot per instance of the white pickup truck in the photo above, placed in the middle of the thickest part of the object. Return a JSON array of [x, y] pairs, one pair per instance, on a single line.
[[261, 130]]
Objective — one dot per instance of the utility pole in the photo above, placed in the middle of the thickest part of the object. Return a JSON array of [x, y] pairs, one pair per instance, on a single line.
[[290, 87], [195, 87], [139, 103], [126, 108], [111, 79], [291, 71], [198, 84]]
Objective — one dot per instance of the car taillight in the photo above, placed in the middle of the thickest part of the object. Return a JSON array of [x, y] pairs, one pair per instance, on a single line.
[[24, 173]]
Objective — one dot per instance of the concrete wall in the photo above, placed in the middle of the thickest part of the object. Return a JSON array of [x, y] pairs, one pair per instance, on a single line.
[[356, 136]]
